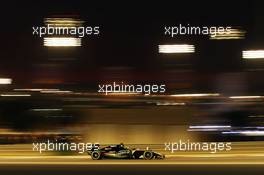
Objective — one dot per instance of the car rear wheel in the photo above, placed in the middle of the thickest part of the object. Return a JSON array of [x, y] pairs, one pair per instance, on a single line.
[[96, 155], [148, 155]]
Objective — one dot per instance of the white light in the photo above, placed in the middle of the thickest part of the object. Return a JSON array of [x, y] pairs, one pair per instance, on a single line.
[[194, 95], [62, 42], [244, 97], [253, 54], [5, 81], [253, 133], [15, 95], [209, 127], [246, 133], [214, 129], [176, 48]]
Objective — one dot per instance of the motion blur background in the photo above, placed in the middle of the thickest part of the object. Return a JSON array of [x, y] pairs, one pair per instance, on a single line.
[[214, 91]]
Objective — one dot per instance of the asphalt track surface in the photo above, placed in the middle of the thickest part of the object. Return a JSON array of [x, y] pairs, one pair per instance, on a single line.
[[246, 158], [83, 165]]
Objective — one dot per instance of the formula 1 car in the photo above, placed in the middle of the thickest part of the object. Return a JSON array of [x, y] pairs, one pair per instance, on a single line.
[[121, 152]]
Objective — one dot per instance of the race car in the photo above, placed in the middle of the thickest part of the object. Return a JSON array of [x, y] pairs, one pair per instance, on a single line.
[[121, 152]]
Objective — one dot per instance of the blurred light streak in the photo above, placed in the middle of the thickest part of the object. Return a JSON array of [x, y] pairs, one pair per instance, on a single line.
[[63, 22], [246, 133], [46, 109], [209, 126], [250, 127], [256, 116], [232, 34], [195, 95], [253, 54], [205, 130], [55, 92], [5, 81], [244, 97], [15, 95], [36, 90], [169, 104], [177, 48], [62, 42]]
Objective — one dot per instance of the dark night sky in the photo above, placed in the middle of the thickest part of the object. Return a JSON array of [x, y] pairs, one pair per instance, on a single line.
[[129, 36]]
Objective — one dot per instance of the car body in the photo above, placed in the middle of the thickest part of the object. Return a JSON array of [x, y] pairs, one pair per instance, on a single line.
[[122, 152]]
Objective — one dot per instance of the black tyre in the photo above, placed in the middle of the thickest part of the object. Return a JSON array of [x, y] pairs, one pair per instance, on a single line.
[[96, 155], [137, 154], [148, 155]]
